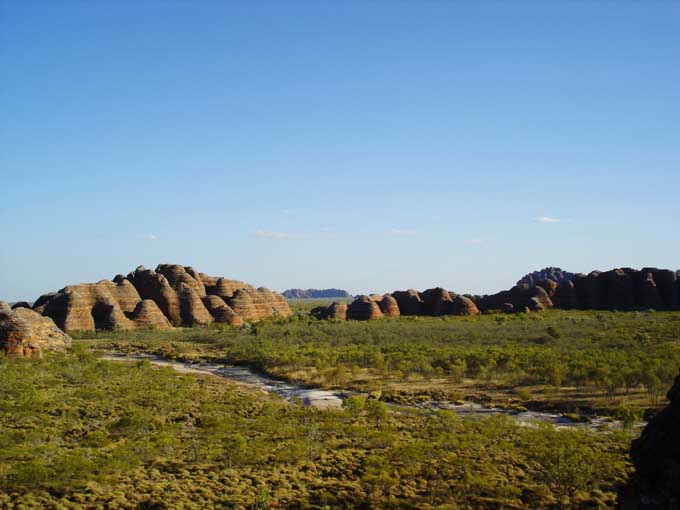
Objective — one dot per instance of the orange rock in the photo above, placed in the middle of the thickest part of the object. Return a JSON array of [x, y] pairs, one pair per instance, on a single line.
[[363, 308], [25, 332]]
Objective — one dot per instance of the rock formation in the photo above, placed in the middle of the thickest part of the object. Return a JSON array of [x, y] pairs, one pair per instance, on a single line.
[[147, 315], [655, 485], [221, 311], [363, 308], [336, 311], [409, 302], [463, 305], [5, 309], [21, 304], [618, 289], [520, 297], [315, 294], [170, 295], [554, 274], [437, 301], [388, 306], [25, 332], [192, 310]]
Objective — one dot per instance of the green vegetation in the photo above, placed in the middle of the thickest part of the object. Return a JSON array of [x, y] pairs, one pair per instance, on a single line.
[[568, 360], [79, 433]]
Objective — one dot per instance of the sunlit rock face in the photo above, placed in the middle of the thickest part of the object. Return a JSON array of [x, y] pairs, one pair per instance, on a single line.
[[26, 333], [169, 295]]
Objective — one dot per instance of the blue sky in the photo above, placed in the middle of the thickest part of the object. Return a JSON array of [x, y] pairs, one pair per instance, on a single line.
[[368, 145]]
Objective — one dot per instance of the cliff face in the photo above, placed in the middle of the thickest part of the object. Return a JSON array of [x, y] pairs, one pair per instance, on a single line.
[[170, 294], [315, 294], [655, 485]]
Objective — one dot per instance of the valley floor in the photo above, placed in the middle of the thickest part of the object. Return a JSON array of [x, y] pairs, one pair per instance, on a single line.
[[79, 432]]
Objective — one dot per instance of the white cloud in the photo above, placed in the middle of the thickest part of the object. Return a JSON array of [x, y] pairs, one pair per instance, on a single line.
[[148, 237], [401, 232], [474, 241], [547, 219], [263, 234]]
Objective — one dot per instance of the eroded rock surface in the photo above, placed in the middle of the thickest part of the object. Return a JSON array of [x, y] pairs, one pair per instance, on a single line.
[[617, 289], [169, 295], [364, 308], [26, 333]]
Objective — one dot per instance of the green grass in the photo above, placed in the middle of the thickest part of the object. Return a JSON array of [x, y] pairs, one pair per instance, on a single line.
[[79, 433], [564, 359]]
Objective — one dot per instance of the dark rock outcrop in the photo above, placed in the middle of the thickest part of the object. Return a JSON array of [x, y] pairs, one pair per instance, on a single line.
[[549, 286], [507, 308], [25, 332], [520, 297], [436, 302], [463, 305], [21, 304], [409, 302], [554, 274], [655, 485], [565, 296]]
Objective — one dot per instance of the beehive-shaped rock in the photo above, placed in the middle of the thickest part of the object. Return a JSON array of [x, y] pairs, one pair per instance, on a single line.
[[409, 302], [337, 311], [388, 306], [549, 286], [177, 292], [243, 305], [463, 305], [649, 296], [155, 286], [224, 287], [363, 308], [436, 302], [25, 332], [565, 296], [147, 315], [70, 311], [124, 293], [193, 312]]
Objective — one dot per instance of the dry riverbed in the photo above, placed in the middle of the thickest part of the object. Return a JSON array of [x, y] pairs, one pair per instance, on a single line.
[[332, 399]]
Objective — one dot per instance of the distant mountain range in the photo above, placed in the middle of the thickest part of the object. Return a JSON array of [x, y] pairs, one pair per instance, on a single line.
[[315, 293]]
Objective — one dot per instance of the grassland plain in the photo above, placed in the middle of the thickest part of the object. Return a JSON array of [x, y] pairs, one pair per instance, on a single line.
[[573, 361], [79, 432]]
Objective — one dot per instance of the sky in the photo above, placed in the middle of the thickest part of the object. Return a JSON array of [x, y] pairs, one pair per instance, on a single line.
[[366, 145]]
